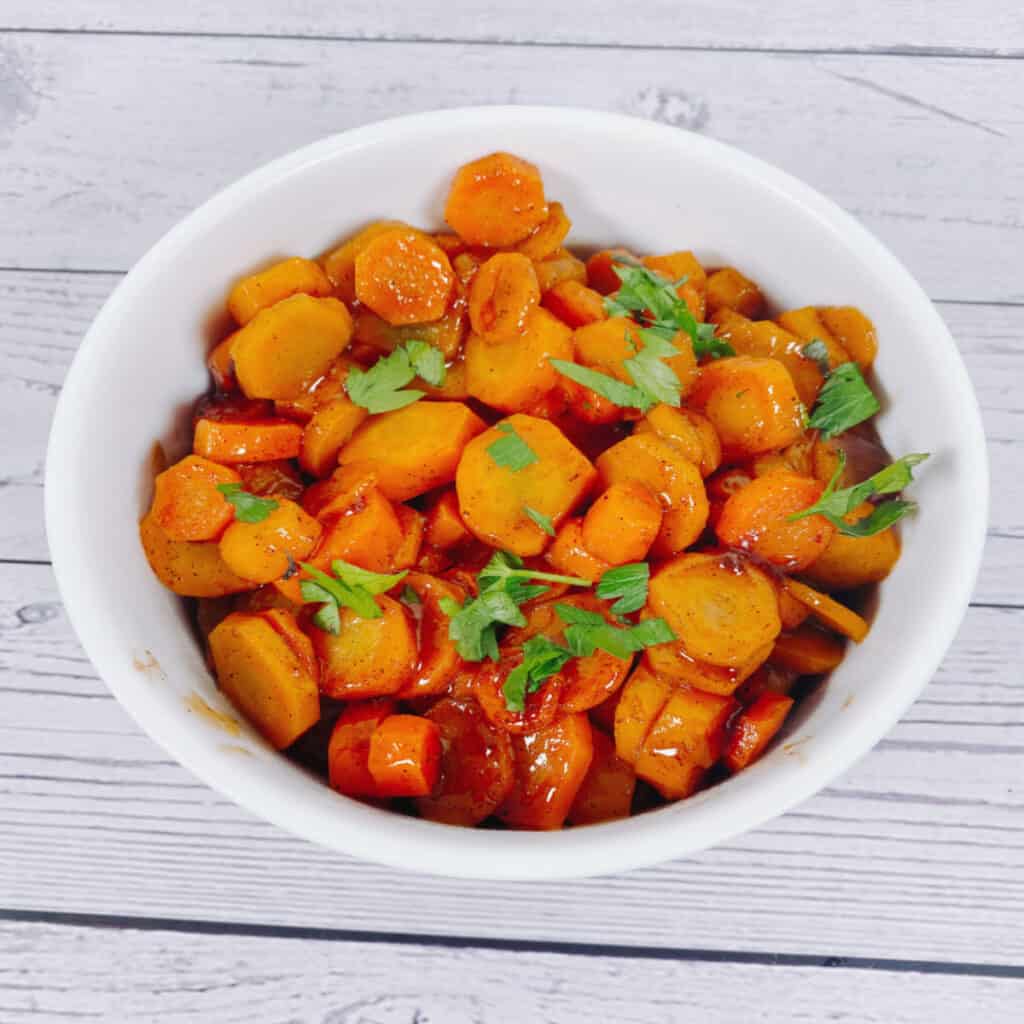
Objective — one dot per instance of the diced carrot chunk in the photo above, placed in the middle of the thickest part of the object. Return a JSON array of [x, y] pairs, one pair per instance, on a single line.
[[405, 756], [607, 789], [289, 277], [754, 729], [187, 503], [230, 442], [348, 752]]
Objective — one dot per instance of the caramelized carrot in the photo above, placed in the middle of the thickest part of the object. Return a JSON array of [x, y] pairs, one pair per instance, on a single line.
[[808, 651], [437, 659], [548, 236], [607, 789], [405, 756], [568, 554], [445, 527], [829, 612], [186, 502], [502, 295], [247, 441], [621, 525], [289, 277], [728, 288], [266, 550], [755, 727], [575, 304], [348, 751]]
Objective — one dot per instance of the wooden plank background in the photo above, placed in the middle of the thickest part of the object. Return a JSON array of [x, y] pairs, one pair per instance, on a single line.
[[130, 891]]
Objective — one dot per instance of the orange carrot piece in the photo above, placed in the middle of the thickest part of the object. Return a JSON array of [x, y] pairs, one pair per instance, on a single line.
[[502, 295], [754, 728], [412, 523], [569, 555], [548, 236], [575, 304], [186, 502], [264, 551], [405, 756], [607, 789], [621, 525], [289, 277], [368, 534], [231, 442], [601, 275], [728, 288], [808, 651], [437, 658], [445, 527], [828, 611], [348, 751]]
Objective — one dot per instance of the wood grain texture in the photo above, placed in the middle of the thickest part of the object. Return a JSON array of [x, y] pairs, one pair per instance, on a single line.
[[58, 974], [916, 853], [926, 151], [907, 26], [44, 315]]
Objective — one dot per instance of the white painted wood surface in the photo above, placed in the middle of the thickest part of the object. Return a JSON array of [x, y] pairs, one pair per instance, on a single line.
[[115, 120]]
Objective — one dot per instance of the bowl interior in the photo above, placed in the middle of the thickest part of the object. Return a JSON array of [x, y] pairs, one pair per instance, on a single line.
[[622, 182]]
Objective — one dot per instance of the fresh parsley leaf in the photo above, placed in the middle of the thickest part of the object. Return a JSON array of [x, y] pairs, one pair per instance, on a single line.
[[542, 658], [834, 504], [503, 586], [511, 451], [573, 616], [427, 361], [651, 374], [650, 298], [382, 387], [350, 587], [650, 632], [844, 401], [249, 508], [543, 521], [628, 396], [817, 351], [588, 631], [628, 583]]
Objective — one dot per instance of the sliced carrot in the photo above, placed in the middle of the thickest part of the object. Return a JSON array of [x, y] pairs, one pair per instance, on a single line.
[[187, 503], [367, 534], [540, 707], [289, 277], [560, 266], [265, 551], [548, 236], [754, 728], [405, 756], [808, 651], [828, 611], [341, 491], [640, 703], [437, 658], [682, 265], [445, 527], [757, 519], [327, 432], [476, 765], [622, 524], [550, 766], [722, 609], [693, 434], [264, 678], [502, 295], [247, 440], [276, 479], [348, 751], [412, 523], [340, 263], [601, 274], [404, 277], [570, 556], [607, 789], [672, 662], [575, 304], [854, 331], [807, 325], [850, 562], [496, 200], [730, 289]]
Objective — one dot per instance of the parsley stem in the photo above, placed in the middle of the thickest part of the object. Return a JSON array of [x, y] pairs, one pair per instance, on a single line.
[[548, 577]]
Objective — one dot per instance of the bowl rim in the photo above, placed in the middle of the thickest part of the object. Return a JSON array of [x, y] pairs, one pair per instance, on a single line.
[[610, 847]]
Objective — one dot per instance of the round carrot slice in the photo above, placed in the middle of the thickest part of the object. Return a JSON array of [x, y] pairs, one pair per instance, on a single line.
[[502, 294], [496, 200], [541, 706], [404, 277], [476, 765], [438, 658], [756, 519]]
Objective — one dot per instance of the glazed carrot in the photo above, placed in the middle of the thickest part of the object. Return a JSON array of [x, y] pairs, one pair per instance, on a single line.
[[340, 263], [672, 662], [222, 366], [445, 527], [751, 402], [330, 428], [247, 441], [493, 498], [640, 703], [348, 751], [276, 479], [476, 765], [502, 295], [341, 491], [806, 324], [488, 687], [265, 551], [854, 332], [289, 277], [284, 623], [286, 347], [186, 502], [321, 393], [496, 200], [754, 729], [571, 557], [722, 485], [829, 612], [437, 658], [373, 336], [769, 678], [808, 651], [369, 657], [264, 678], [678, 265], [602, 716], [548, 236], [728, 288], [792, 613], [412, 523], [550, 766], [670, 477], [601, 274], [560, 266], [405, 756], [574, 304], [404, 277], [414, 449], [607, 789], [756, 519], [368, 534], [687, 431], [516, 373], [621, 525], [722, 609], [189, 568], [850, 562]]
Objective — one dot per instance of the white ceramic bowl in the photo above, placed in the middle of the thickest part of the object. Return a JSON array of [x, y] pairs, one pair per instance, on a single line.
[[624, 181]]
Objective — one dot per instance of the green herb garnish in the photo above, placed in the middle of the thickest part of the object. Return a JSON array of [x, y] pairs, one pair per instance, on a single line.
[[511, 451], [503, 586], [542, 658], [588, 631], [382, 387], [249, 508], [628, 396], [834, 504], [628, 583], [543, 521], [349, 587], [844, 401]]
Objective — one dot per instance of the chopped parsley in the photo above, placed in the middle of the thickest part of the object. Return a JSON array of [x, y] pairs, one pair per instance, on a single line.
[[543, 521], [844, 400], [349, 587], [511, 451], [249, 508], [382, 388], [628, 583]]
